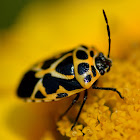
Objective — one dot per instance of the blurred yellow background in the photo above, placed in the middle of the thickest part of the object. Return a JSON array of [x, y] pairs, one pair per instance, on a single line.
[[42, 29]]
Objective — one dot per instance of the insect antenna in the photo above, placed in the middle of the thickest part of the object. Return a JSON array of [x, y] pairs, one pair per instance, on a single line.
[[108, 31]]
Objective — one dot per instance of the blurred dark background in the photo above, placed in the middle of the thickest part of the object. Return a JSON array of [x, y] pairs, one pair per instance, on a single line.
[[10, 10]]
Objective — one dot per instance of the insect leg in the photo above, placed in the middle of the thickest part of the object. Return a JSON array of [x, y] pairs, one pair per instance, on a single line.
[[85, 98], [73, 102], [107, 88]]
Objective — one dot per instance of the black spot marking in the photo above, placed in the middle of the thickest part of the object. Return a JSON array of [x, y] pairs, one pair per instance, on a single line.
[[82, 68], [39, 95], [93, 70], [33, 100], [48, 63], [87, 79], [66, 66], [61, 95], [69, 84], [84, 46], [91, 53], [27, 84], [81, 55], [51, 84]]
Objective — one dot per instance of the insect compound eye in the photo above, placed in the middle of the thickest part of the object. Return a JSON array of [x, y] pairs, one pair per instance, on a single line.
[[109, 63]]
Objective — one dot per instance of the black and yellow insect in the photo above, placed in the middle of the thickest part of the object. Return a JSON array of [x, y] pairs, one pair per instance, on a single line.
[[65, 75]]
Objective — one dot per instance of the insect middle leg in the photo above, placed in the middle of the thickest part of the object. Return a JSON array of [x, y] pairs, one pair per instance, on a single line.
[[73, 102], [107, 88], [85, 98]]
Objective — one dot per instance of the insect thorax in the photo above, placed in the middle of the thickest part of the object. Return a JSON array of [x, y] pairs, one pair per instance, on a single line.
[[85, 69]]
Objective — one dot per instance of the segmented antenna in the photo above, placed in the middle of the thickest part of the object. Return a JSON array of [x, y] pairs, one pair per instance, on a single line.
[[108, 31]]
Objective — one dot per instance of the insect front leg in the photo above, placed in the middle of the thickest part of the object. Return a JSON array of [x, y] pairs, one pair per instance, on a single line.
[[84, 100], [107, 88], [73, 102]]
